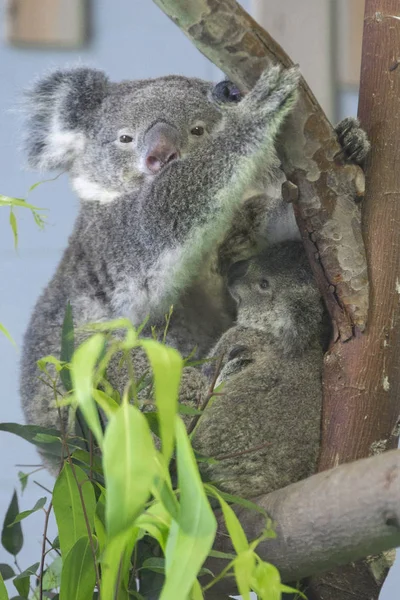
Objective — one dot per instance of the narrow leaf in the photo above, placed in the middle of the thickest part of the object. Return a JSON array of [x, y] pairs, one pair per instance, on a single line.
[[23, 479], [3, 589], [11, 537], [68, 506], [67, 346], [25, 513], [233, 525], [5, 332], [129, 460], [82, 371], [192, 536], [78, 575], [166, 364], [14, 227]]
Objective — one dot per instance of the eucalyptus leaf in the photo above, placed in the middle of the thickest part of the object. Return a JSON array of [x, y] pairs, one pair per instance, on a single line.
[[6, 571], [166, 364], [192, 535], [26, 513], [67, 346], [52, 575], [82, 371], [78, 575], [11, 537], [23, 479], [129, 460], [5, 332], [14, 228], [3, 589], [68, 506]]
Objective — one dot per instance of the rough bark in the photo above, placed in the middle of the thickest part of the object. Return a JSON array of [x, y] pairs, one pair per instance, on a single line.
[[327, 520], [327, 215], [361, 410]]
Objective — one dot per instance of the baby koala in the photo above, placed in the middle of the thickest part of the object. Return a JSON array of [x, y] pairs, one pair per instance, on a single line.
[[264, 430]]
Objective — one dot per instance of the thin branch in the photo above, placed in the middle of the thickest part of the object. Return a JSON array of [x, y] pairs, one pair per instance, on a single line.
[[42, 559]]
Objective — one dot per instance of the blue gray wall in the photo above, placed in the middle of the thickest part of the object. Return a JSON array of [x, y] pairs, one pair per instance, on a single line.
[[131, 39]]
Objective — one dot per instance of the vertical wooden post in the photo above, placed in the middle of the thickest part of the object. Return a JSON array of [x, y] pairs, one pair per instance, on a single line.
[[361, 413]]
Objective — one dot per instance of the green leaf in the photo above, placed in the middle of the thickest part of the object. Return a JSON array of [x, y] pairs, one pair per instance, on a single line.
[[68, 506], [106, 403], [32, 570], [156, 522], [233, 525], [78, 575], [29, 433], [9, 201], [52, 575], [266, 581], [45, 438], [289, 590], [224, 555], [116, 562], [14, 227], [6, 571], [192, 535], [100, 521], [129, 462], [22, 581], [25, 513], [3, 589], [234, 499], [5, 332], [166, 364], [67, 346], [23, 479], [197, 592], [11, 537], [83, 456], [82, 371], [243, 567]]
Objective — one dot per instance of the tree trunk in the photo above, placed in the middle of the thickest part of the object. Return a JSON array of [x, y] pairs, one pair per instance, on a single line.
[[361, 410]]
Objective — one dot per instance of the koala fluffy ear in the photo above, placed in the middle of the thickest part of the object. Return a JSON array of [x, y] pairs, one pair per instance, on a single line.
[[60, 108]]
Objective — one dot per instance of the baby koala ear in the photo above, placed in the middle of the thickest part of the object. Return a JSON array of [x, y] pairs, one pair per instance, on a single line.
[[59, 111]]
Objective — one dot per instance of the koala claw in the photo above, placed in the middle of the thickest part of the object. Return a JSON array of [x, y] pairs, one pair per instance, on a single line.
[[353, 139]]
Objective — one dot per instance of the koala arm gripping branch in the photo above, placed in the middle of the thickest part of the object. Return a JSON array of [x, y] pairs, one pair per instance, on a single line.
[[188, 207]]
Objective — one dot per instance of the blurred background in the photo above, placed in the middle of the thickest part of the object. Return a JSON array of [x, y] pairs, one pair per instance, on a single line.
[[128, 39]]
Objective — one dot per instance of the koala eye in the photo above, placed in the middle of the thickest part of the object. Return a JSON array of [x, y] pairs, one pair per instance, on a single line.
[[198, 130], [125, 139], [264, 284], [226, 91]]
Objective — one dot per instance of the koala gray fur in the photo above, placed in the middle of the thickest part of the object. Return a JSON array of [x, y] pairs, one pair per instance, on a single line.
[[148, 226], [271, 370]]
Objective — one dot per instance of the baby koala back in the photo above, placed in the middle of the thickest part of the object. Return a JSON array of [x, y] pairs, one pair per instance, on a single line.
[[265, 428]]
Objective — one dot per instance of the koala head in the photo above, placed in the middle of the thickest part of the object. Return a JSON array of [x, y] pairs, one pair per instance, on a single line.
[[113, 137], [276, 292]]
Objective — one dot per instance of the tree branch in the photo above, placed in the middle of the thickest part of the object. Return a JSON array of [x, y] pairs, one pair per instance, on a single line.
[[330, 519], [326, 213]]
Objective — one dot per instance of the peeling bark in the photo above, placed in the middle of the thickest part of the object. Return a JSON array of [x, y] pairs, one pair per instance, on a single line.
[[327, 520], [361, 409], [326, 213]]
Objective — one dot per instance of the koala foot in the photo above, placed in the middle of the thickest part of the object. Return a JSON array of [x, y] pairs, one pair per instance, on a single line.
[[238, 359], [353, 139]]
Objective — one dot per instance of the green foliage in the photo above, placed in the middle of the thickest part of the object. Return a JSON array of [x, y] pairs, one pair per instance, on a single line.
[[120, 518]]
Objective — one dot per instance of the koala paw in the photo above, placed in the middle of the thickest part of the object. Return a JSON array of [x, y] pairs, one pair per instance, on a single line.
[[238, 359], [353, 139], [274, 92]]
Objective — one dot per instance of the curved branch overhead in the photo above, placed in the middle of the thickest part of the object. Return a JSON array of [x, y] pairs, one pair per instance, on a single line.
[[326, 212]]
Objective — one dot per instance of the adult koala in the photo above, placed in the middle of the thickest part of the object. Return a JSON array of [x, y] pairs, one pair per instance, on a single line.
[[160, 167]]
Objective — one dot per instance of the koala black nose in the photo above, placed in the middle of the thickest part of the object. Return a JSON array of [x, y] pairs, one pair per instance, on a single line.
[[162, 146]]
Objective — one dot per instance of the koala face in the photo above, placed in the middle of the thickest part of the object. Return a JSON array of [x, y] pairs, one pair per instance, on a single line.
[[113, 137], [275, 291]]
